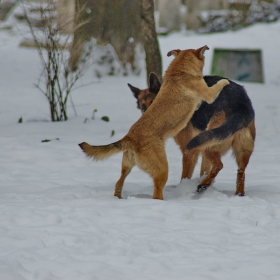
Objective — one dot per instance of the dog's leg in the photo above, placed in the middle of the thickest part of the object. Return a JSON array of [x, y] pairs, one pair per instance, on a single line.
[[215, 159], [128, 162], [217, 120], [209, 94], [205, 166], [154, 162], [242, 149], [242, 159], [189, 162], [189, 158], [160, 180]]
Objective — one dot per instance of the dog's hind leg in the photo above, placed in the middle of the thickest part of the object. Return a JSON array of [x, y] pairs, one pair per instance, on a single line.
[[189, 157], [160, 180], [189, 162], [242, 159], [243, 146], [217, 120], [128, 161], [214, 158], [154, 162], [205, 166]]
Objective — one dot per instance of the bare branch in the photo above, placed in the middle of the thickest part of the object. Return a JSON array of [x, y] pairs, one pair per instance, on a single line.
[[56, 76]]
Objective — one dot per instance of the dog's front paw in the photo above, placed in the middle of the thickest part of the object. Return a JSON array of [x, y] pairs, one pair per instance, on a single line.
[[224, 82]]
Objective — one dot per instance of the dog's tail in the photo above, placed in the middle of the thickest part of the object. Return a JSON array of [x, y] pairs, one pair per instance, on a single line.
[[104, 151], [215, 135]]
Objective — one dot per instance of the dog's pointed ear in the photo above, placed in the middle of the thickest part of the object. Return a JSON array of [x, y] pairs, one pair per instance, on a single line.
[[154, 83], [200, 52], [173, 52], [134, 90]]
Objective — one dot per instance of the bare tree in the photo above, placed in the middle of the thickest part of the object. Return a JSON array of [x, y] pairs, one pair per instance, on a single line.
[[57, 79]]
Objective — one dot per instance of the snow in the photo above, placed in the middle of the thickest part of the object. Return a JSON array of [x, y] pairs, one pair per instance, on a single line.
[[59, 218]]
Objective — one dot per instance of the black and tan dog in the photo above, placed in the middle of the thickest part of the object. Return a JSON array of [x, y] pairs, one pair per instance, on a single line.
[[213, 129], [181, 93]]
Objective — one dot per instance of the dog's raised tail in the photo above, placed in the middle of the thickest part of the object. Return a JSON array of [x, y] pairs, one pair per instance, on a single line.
[[232, 125], [101, 152]]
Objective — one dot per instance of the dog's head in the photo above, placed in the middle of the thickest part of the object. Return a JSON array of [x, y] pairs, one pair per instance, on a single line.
[[145, 97], [189, 56], [199, 53]]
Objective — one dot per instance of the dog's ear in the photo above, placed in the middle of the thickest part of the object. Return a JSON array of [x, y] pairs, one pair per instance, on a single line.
[[134, 90], [200, 52], [154, 83], [173, 52]]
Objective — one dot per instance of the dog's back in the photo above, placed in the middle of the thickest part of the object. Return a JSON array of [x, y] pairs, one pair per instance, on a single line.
[[234, 102]]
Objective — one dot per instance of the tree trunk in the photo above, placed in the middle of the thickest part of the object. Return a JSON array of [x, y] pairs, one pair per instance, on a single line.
[[81, 33], [149, 39]]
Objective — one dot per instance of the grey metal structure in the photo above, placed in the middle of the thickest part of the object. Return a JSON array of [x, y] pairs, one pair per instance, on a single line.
[[238, 64]]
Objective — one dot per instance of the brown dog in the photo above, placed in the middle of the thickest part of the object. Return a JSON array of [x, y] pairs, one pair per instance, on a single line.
[[228, 123], [181, 93]]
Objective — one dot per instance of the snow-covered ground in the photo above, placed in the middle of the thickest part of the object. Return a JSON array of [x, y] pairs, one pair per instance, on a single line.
[[59, 218]]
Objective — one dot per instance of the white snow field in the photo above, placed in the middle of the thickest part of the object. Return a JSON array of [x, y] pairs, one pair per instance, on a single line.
[[59, 218]]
